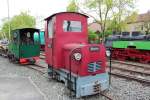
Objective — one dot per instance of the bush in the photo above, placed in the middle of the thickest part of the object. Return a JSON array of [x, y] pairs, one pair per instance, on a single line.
[[92, 37]]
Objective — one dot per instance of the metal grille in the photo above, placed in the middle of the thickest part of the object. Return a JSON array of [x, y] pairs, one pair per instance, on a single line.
[[94, 66]]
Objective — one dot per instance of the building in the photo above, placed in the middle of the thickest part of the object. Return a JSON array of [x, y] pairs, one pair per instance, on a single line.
[[95, 27], [141, 23]]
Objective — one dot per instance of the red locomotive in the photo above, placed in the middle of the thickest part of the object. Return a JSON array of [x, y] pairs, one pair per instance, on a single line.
[[71, 59]]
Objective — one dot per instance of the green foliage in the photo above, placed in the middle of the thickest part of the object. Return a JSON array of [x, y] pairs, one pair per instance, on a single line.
[[110, 14], [116, 26], [23, 20], [72, 7], [5, 28], [123, 9], [102, 9], [132, 17], [1, 35], [92, 37], [107, 33]]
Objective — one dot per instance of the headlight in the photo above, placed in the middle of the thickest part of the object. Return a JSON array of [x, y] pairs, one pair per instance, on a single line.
[[108, 53], [77, 56]]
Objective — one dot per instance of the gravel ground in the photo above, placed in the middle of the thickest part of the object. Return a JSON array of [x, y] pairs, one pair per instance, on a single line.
[[121, 89]]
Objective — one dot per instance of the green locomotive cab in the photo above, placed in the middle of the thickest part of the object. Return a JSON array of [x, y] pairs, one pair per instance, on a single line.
[[24, 46]]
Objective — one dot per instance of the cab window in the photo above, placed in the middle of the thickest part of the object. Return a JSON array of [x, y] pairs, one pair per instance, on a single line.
[[72, 26], [29, 37], [36, 37], [51, 27], [15, 36]]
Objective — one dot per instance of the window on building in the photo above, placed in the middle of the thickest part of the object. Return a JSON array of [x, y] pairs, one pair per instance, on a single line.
[[136, 33], [125, 33], [72, 26]]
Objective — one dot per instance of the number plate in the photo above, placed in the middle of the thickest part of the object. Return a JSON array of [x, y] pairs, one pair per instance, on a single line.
[[94, 48]]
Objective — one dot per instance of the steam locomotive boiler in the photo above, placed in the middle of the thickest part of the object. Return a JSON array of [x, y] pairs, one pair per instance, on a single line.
[[70, 58]]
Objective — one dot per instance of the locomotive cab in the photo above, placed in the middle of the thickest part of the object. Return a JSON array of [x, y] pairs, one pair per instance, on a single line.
[[70, 58]]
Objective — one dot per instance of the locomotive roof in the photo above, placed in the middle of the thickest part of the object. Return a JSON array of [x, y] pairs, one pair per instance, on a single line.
[[65, 12], [31, 29]]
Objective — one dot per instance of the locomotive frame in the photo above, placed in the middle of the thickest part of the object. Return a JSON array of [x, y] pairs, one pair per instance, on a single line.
[[70, 58]]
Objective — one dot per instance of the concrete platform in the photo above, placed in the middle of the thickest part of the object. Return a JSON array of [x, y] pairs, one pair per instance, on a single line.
[[19, 88]]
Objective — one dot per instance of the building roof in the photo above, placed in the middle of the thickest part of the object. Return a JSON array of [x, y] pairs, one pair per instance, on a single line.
[[142, 18], [95, 27]]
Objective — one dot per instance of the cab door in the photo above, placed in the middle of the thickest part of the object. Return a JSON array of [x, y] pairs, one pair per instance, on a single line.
[[49, 41]]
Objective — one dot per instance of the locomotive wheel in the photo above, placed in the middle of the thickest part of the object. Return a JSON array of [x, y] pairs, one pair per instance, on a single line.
[[10, 58], [50, 71], [16, 61], [32, 61], [122, 58], [13, 59], [143, 61]]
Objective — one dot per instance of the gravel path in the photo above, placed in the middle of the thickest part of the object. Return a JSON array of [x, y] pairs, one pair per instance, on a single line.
[[121, 89]]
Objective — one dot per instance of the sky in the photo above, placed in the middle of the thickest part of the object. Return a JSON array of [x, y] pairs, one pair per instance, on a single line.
[[44, 8]]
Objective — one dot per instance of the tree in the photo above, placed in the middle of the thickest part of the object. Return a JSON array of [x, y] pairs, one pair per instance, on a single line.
[[5, 29], [72, 7], [132, 17], [23, 20], [122, 10], [1, 35], [147, 27], [103, 11], [120, 25]]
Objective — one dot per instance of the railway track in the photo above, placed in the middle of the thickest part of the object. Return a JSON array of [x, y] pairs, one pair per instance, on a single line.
[[132, 71], [38, 68], [106, 96], [132, 63]]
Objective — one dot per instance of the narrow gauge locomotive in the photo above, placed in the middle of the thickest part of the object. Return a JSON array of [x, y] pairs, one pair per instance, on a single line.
[[81, 66], [130, 46], [23, 48]]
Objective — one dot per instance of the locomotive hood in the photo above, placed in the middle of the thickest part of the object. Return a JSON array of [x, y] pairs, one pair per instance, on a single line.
[[73, 46]]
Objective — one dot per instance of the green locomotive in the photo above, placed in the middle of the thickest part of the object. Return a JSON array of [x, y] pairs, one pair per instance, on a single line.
[[23, 47], [130, 46]]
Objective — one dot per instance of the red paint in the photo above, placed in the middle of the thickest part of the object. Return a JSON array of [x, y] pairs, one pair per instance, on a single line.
[[142, 56], [23, 60], [26, 60], [64, 42], [36, 58]]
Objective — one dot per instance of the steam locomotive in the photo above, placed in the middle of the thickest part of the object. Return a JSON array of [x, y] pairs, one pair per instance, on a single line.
[[129, 46], [70, 58]]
